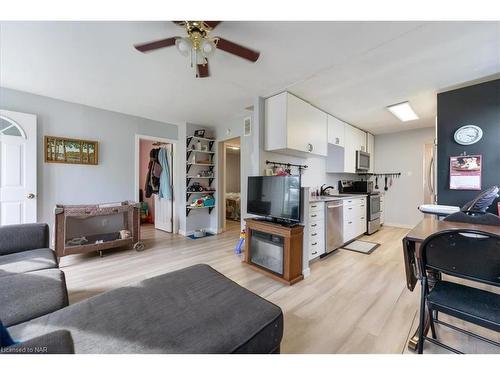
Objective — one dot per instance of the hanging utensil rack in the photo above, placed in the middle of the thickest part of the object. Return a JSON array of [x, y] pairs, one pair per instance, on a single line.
[[301, 167]]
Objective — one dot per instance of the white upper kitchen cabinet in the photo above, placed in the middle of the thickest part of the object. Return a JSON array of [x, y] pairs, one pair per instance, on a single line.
[[294, 126], [370, 148], [342, 159], [336, 131]]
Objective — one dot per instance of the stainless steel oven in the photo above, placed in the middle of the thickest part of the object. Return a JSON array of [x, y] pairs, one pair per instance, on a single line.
[[373, 213], [362, 161]]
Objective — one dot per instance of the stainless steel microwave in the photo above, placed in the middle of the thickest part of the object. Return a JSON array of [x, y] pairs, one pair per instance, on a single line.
[[362, 161]]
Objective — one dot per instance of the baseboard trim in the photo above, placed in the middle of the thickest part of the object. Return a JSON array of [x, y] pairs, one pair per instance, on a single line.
[[306, 272]]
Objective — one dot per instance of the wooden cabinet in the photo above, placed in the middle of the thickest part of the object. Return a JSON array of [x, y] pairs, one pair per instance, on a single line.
[[370, 148], [291, 250], [294, 126], [336, 131], [354, 218]]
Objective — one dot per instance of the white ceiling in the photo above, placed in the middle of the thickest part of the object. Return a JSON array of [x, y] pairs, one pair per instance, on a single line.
[[351, 69]]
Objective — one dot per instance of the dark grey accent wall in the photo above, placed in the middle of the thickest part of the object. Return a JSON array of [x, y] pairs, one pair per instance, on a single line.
[[477, 105]]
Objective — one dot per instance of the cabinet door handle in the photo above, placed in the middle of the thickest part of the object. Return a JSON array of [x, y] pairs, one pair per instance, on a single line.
[[337, 140], [362, 218], [314, 215], [314, 206], [309, 147], [314, 225], [314, 244], [350, 208], [314, 234], [314, 253], [350, 222], [362, 205]]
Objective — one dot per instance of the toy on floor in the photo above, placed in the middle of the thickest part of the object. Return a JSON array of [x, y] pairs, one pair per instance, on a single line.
[[239, 246]]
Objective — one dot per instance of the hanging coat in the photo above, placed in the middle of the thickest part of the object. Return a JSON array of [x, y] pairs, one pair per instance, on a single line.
[[165, 190], [153, 177]]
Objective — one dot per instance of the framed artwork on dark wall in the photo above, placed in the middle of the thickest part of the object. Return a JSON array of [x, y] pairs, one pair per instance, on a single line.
[[71, 151], [465, 172]]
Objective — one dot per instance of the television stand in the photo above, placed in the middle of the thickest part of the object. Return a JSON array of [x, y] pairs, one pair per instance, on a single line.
[[275, 249], [284, 223]]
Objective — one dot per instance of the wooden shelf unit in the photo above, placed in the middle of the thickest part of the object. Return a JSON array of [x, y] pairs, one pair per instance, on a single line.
[[209, 166], [292, 249]]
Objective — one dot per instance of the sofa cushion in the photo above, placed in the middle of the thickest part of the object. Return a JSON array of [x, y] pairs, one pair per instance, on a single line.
[[22, 237], [5, 339], [193, 310], [26, 296], [27, 261]]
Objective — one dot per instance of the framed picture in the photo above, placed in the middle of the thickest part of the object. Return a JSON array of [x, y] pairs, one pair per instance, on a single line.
[[199, 133], [465, 172], [71, 151]]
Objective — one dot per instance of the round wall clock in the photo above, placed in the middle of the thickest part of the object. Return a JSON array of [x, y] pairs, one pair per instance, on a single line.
[[468, 135]]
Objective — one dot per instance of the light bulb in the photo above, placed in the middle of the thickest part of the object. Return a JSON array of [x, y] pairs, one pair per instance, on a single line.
[[207, 48], [183, 45]]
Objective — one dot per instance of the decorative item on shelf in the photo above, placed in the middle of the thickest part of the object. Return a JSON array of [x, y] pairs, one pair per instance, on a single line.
[[204, 148], [198, 145], [71, 151], [199, 133], [196, 187]]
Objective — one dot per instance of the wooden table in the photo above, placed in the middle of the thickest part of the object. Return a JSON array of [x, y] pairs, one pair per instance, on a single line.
[[411, 252]]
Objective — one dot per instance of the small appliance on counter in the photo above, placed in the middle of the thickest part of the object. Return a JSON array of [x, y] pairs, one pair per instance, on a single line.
[[373, 206]]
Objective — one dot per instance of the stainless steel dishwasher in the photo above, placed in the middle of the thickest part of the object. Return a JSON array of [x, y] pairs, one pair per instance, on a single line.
[[334, 225]]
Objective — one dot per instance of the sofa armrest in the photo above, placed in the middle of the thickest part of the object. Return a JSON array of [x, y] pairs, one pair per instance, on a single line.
[[17, 238], [57, 342]]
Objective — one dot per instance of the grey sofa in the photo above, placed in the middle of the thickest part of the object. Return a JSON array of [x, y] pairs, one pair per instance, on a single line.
[[193, 310], [31, 285]]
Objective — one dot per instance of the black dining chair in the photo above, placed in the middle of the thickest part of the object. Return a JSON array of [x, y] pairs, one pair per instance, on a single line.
[[465, 254]]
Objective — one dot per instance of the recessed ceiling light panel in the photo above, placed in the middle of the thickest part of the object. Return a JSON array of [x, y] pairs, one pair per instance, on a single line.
[[403, 111]]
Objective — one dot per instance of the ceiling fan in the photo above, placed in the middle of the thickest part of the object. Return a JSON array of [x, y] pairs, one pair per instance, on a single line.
[[199, 45]]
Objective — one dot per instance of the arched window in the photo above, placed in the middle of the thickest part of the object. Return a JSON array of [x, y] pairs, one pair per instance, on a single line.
[[10, 127]]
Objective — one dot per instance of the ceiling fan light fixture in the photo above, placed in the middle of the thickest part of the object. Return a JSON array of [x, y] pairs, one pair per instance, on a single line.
[[183, 45], [207, 47]]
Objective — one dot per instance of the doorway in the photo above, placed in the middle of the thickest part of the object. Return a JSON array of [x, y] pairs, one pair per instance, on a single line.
[[155, 164], [429, 173], [18, 171], [230, 184]]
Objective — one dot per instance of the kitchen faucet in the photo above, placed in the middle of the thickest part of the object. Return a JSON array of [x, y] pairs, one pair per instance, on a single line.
[[323, 190]]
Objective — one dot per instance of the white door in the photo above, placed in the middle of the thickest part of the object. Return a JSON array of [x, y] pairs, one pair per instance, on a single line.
[[164, 207], [18, 194]]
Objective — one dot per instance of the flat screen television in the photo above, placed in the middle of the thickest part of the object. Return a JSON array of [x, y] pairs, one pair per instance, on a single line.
[[276, 197]]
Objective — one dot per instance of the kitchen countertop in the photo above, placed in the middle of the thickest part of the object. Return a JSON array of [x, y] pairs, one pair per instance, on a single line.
[[326, 198]]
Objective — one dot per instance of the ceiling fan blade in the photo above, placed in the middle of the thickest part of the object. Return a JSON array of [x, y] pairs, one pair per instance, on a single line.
[[202, 70], [212, 24], [146, 47], [236, 49]]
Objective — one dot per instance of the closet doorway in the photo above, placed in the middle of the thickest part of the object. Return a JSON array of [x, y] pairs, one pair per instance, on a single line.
[[230, 184], [154, 181]]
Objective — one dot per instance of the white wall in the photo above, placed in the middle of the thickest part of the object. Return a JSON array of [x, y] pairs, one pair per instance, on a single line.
[[403, 152], [111, 180]]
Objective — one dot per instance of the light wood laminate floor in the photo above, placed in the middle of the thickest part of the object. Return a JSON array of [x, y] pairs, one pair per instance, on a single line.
[[351, 302]]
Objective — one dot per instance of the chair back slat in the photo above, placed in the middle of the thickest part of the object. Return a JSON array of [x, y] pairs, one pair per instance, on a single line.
[[469, 254]]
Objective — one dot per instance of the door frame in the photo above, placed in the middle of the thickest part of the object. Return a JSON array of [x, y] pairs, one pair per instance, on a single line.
[[222, 146], [173, 167]]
